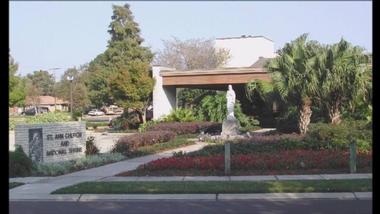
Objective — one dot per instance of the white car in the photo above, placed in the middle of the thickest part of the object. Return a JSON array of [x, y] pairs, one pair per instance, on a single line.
[[95, 112]]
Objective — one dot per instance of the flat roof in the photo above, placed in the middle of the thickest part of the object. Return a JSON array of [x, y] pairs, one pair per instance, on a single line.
[[244, 37], [236, 70]]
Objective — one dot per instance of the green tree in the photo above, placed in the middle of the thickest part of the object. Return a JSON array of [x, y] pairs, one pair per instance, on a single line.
[[43, 81], [214, 108], [16, 85], [80, 93], [122, 73], [344, 78], [295, 78]]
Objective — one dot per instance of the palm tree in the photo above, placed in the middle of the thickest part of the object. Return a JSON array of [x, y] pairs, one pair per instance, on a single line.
[[343, 78], [295, 78]]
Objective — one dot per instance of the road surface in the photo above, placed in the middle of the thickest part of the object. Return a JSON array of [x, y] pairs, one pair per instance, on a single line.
[[298, 206]]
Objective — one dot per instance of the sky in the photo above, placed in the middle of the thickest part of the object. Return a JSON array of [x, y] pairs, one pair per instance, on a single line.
[[61, 35]]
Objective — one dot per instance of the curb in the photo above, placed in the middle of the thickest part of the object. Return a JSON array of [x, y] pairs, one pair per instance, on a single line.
[[214, 197]]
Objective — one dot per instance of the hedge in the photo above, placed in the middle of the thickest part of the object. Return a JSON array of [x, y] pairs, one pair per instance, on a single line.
[[187, 127], [130, 143]]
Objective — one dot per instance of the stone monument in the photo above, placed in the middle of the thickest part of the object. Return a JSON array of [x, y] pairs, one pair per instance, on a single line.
[[52, 142], [231, 125]]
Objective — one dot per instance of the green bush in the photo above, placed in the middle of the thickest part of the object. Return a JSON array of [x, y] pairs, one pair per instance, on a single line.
[[214, 109], [50, 117], [91, 149], [64, 167], [180, 115], [329, 136], [143, 127], [77, 114], [20, 165], [288, 123], [128, 120], [95, 125]]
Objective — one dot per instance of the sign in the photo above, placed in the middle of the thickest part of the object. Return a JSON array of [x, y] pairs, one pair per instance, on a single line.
[[52, 142]]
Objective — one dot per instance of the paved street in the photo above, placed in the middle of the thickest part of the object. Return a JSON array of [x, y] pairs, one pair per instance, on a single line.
[[299, 206]]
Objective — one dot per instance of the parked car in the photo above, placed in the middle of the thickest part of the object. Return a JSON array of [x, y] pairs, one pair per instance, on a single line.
[[112, 109], [31, 111], [95, 112]]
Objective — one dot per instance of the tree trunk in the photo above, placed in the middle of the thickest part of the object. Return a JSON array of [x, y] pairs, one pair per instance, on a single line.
[[334, 116], [304, 116], [142, 115]]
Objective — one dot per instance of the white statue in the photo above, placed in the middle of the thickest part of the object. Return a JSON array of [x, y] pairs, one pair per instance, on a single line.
[[230, 102]]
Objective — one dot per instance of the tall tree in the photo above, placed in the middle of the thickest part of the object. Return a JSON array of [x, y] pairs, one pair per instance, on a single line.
[[122, 73], [43, 81], [16, 85], [295, 77], [344, 78]]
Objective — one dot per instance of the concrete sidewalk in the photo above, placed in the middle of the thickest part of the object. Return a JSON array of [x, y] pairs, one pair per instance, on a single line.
[[241, 178], [41, 187], [214, 197]]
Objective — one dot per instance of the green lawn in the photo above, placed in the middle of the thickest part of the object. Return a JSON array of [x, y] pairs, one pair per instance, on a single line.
[[14, 184], [177, 187]]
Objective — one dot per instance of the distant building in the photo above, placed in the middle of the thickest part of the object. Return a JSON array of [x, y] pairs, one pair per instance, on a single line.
[[246, 50], [47, 103]]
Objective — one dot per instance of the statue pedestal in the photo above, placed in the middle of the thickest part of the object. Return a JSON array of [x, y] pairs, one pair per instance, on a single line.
[[230, 127]]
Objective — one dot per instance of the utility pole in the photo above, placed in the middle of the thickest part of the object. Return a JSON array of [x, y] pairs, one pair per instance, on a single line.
[[70, 78]]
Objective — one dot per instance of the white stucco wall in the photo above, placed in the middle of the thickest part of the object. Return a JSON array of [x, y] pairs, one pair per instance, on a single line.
[[246, 51], [164, 98]]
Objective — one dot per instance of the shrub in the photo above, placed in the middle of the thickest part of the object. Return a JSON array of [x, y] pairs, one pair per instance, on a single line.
[[91, 149], [64, 167], [128, 120], [180, 115], [77, 114], [256, 144], [50, 117], [288, 123], [187, 127], [20, 165], [130, 143], [143, 127], [330, 136], [214, 108]]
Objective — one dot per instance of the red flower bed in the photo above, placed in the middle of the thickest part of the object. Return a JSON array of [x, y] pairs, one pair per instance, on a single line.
[[187, 127], [290, 160]]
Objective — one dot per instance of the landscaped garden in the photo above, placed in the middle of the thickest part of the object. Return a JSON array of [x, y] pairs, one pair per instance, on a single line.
[[325, 149], [139, 144]]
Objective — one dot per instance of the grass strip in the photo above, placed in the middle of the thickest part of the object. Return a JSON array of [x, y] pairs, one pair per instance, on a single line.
[[213, 187], [15, 184]]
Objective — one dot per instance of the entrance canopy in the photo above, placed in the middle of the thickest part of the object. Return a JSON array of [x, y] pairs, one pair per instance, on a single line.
[[168, 80], [216, 79]]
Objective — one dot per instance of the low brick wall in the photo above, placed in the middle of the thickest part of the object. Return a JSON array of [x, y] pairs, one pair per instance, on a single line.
[[52, 142]]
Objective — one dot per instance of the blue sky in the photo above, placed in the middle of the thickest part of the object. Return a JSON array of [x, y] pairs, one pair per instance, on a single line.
[[46, 35]]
